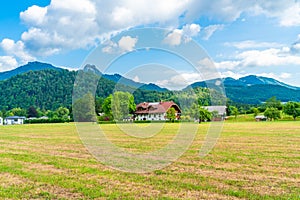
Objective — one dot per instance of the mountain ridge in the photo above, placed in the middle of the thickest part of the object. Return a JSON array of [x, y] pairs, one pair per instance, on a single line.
[[30, 66], [250, 80], [250, 89]]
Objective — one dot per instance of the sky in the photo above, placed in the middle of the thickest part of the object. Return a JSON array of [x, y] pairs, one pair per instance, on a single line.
[[239, 37]]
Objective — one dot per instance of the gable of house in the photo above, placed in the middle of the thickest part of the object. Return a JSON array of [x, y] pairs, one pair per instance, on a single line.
[[156, 107]]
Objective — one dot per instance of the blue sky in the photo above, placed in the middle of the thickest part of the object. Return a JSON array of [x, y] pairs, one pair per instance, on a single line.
[[240, 37]]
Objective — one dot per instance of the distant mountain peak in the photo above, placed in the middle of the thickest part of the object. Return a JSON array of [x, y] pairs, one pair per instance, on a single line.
[[117, 78], [92, 69], [250, 80], [30, 66], [260, 80]]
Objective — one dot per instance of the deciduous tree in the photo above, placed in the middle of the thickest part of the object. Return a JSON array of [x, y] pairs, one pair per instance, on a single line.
[[292, 108]]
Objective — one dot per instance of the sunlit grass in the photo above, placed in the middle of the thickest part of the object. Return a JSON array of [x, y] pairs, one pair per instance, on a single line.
[[252, 160]]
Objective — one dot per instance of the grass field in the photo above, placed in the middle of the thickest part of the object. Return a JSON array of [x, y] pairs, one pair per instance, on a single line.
[[252, 160]]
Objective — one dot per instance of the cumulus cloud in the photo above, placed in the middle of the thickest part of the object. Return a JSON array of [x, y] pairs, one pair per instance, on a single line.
[[174, 38], [66, 25], [179, 81], [16, 49], [61, 26], [290, 16], [268, 57], [7, 63], [34, 15], [177, 36], [125, 44], [261, 54]]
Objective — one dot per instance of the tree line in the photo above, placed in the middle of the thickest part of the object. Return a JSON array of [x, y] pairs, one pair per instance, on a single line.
[[43, 93]]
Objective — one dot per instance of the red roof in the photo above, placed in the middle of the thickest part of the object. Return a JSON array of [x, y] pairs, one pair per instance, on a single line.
[[156, 107]]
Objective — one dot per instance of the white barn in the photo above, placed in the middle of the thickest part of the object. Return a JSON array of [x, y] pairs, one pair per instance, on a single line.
[[14, 120]]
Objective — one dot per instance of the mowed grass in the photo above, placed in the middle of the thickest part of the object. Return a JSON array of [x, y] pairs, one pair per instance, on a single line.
[[252, 160]]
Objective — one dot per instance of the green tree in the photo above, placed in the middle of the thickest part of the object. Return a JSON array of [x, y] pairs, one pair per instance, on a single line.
[[51, 114], [233, 111], [63, 113], [194, 111], [272, 113], [171, 114], [84, 109], [199, 113], [98, 104], [204, 114], [19, 112], [292, 108], [273, 103], [106, 106], [255, 111], [122, 104]]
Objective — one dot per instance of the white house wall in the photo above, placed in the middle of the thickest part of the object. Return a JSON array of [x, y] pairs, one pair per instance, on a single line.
[[153, 117]]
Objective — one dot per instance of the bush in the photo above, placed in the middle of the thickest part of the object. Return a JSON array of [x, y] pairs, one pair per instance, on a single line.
[[44, 121]]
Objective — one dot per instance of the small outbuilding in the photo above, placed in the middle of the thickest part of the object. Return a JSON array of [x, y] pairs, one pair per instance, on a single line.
[[220, 110], [259, 118], [12, 120]]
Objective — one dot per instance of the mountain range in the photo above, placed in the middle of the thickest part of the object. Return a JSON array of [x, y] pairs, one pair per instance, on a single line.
[[31, 66], [38, 82]]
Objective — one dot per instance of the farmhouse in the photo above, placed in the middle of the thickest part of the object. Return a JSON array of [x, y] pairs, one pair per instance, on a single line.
[[155, 111], [220, 110], [14, 120], [1, 121]]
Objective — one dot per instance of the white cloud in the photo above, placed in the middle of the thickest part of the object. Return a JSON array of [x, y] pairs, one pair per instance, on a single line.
[[190, 30], [66, 25], [7, 63], [174, 38], [16, 49], [209, 30], [180, 81], [268, 57], [227, 64], [127, 43], [34, 15], [182, 35], [291, 16], [250, 44], [261, 58], [63, 25]]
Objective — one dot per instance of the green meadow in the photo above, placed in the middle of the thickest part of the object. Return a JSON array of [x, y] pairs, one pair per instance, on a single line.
[[251, 160]]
